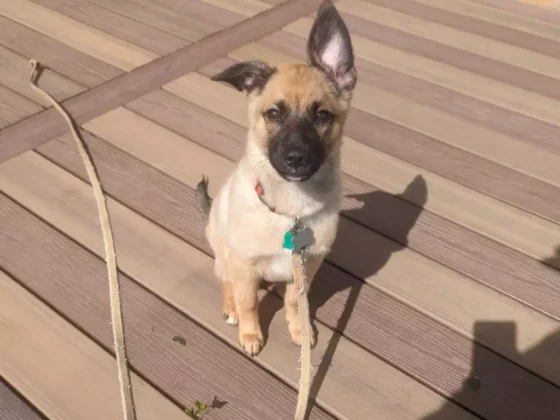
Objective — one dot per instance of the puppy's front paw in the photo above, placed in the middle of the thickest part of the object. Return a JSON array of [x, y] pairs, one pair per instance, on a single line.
[[295, 333], [251, 343]]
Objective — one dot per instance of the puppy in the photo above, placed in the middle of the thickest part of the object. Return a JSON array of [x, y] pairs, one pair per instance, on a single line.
[[290, 172]]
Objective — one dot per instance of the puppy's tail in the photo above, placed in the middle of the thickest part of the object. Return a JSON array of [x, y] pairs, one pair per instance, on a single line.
[[203, 200]]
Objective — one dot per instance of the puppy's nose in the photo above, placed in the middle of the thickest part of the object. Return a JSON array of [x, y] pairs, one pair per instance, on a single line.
[[296, 158]]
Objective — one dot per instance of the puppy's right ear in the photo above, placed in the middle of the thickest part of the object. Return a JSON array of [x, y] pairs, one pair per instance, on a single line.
[[247, 76]]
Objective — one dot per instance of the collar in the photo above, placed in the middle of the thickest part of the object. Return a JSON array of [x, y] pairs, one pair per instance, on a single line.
[[259, 190]]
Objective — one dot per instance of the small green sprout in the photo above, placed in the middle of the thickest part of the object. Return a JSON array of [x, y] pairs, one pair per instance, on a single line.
[[198, 412]]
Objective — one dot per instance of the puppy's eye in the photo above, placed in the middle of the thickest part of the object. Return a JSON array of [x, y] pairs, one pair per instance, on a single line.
[[272, 114], [322, 116]]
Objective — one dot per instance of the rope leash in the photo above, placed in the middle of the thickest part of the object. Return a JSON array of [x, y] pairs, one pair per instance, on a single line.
[[127, 402], [110, 255], [300, 282]]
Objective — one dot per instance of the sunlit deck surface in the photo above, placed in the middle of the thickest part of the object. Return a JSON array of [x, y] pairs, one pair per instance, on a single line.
[[441, 298]]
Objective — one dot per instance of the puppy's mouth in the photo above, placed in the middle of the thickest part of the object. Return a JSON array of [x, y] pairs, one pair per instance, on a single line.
[[296, 178], [299, 169]]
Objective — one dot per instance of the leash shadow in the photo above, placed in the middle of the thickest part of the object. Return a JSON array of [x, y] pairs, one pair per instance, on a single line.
[[379, 207]]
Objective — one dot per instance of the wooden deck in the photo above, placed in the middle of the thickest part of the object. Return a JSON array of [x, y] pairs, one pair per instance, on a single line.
[[441, 299]]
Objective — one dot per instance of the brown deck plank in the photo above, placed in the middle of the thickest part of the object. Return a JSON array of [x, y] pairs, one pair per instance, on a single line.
[[204, 369], [184, 277], [209, 10], [247, 8], [465, 23], [14, 107], [84, 38], [499, 119], [66, 61], [61, 371], [118, 91], [130, 30], [489, 14], [524, 8], [273, 2], [445, 369], [187, 26], [532, 235], [13, 407], [214, 17]]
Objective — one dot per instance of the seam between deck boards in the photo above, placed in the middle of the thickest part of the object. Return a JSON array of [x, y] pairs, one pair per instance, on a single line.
[[46, 125]]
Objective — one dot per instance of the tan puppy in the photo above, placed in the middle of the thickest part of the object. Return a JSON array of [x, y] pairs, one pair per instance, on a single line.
[[291, 170]]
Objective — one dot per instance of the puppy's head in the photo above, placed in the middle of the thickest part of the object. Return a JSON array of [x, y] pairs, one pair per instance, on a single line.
[[297, 111]]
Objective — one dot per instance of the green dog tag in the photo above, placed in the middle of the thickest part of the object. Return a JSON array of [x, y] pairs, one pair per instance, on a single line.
[[297, 240], [289, 240]]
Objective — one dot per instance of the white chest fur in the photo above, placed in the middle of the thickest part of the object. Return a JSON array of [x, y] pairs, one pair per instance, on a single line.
[[277, 268]]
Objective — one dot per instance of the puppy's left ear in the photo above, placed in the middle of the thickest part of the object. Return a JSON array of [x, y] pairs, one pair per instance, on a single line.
[[247, 76], [329, 48]]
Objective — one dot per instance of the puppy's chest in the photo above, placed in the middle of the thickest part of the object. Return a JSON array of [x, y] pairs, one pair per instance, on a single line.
[[276, 268]]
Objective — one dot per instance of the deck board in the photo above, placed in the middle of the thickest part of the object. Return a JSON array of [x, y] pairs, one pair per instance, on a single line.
[[117, 25], [13, 407], [68, 62], [481, 19], [523, 7], [191, 26], [445, 307], [84, 38], [14, 107]]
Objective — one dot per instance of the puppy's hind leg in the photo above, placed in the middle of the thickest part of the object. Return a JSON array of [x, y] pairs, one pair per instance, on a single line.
[[245, 283], [220, 260]]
